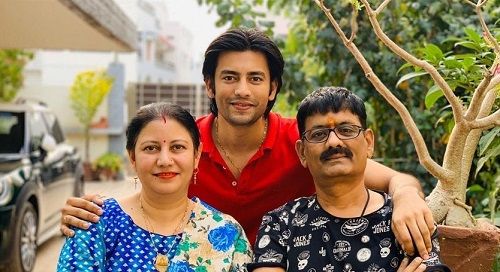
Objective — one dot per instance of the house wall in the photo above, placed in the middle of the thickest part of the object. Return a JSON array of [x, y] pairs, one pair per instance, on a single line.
[[53, 96]]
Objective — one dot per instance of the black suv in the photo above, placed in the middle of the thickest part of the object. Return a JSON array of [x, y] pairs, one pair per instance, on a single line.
[[38, 172]]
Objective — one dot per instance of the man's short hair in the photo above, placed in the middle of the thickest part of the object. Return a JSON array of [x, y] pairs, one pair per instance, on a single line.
[[239, 40], [330, 99]]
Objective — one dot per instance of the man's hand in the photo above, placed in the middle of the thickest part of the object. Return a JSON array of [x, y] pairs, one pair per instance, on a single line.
[[78, 212], [415, 266], [412, 221]]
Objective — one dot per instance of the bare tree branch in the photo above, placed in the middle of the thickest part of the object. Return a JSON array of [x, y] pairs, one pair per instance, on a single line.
[[422, 151], [486, 30], [382, 6], [487, 84], [354, 23], [486, 122], [455, 103]]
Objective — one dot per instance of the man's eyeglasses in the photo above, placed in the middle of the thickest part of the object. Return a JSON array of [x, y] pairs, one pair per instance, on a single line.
[[343, 132]]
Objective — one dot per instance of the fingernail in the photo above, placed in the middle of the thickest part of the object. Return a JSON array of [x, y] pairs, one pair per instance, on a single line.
[[99, 211], [95, 218], [86, 225]]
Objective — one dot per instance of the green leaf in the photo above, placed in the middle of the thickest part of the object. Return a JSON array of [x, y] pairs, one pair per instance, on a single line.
[[475, 188], [433, 53], [432, 96], [472, 34], [494, 152], [470, 45], [452, 63], [410, 76], [487, 139]]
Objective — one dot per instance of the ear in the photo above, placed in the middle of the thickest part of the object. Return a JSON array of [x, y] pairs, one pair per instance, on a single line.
[[299, 148], [273, 91], [208, 88], [370, 141], [131, 157], [198, 155]]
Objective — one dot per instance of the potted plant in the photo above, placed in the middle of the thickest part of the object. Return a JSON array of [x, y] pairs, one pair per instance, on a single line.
[[86, 94], [108, 166], [473, 118]]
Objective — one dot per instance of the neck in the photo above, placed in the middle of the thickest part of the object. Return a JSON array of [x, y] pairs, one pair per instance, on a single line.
[[343, 199], [173, 211], [239, 138]]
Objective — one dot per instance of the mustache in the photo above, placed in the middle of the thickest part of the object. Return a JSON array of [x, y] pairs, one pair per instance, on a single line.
[[335, 150]]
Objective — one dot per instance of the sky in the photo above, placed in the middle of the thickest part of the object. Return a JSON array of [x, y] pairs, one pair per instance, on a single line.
[[197, 19]]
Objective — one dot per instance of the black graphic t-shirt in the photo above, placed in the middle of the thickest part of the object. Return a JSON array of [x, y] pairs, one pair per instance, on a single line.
[[301, 236]]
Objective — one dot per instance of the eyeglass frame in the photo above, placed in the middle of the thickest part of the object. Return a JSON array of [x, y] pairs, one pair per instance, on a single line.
[[330, 130]]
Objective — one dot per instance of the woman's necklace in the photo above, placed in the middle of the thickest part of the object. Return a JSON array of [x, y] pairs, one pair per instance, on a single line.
[[226, 154], [161, 261]]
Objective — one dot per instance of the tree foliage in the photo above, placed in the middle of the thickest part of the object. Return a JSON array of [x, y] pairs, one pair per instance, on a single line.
[[86, 94], [315, 56], [12, 62]]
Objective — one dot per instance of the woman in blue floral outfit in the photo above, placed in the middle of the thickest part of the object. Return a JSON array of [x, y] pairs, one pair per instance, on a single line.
[[159, 228]]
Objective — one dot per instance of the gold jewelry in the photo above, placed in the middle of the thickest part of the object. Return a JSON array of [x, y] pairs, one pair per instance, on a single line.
[[226, 154], [135, 182], [195, 175], [161, 261]]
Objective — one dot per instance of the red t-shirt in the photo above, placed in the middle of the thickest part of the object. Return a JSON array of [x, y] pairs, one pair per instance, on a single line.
[[272, 177]]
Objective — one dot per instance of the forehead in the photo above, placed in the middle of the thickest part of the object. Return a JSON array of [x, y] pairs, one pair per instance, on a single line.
[[242, 61], [331, 119], [163, 129]]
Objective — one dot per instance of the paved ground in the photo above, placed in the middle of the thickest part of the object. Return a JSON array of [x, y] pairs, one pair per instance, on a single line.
[[48, 253]]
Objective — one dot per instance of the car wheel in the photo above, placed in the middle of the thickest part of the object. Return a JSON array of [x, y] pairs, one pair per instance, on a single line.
[[25, 239]]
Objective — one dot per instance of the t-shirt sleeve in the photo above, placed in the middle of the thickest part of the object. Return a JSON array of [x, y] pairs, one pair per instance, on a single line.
[[85, 251], [270, 249]]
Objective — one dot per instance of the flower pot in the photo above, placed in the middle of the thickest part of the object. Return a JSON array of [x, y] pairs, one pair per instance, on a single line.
[[468, 249]]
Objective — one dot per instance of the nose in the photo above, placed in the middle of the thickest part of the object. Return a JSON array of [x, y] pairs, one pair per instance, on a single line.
[[333, 140], [164, 158], [242, 89]]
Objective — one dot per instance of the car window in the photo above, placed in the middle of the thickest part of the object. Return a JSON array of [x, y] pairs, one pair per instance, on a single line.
[[37, 129], [11, 131], [54, 128]]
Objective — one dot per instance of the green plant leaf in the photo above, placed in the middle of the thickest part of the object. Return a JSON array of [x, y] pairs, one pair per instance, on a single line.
[[487, 139], [472, 34], [475, 188], [410, 76], [432, 96]]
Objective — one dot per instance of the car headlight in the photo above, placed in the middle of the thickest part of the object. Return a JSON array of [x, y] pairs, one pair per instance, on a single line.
[[6, 189]]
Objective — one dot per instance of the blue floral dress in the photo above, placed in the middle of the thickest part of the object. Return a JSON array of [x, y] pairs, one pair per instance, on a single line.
[[211, 241]]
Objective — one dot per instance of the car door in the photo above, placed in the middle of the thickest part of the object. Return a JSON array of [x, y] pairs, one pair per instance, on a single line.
[[55, 170]]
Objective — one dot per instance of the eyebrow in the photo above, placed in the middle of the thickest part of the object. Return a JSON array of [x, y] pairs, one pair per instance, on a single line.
[[340, 124], [253, 73]]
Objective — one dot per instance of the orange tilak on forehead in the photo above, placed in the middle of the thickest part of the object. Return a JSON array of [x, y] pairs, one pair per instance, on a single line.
[[330, 121]]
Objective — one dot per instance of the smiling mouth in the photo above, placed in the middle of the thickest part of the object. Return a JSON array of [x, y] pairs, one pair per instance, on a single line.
[[241, 105], [166, 175]]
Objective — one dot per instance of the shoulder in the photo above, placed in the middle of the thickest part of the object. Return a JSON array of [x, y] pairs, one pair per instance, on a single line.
[[210, 215], [281, 128], [297, 207]]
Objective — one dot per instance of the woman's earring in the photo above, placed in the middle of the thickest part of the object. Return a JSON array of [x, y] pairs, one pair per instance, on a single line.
[[195, 175], [135, 182]]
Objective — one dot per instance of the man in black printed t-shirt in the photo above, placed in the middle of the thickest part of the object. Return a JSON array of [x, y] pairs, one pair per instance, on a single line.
[[345, 226]]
